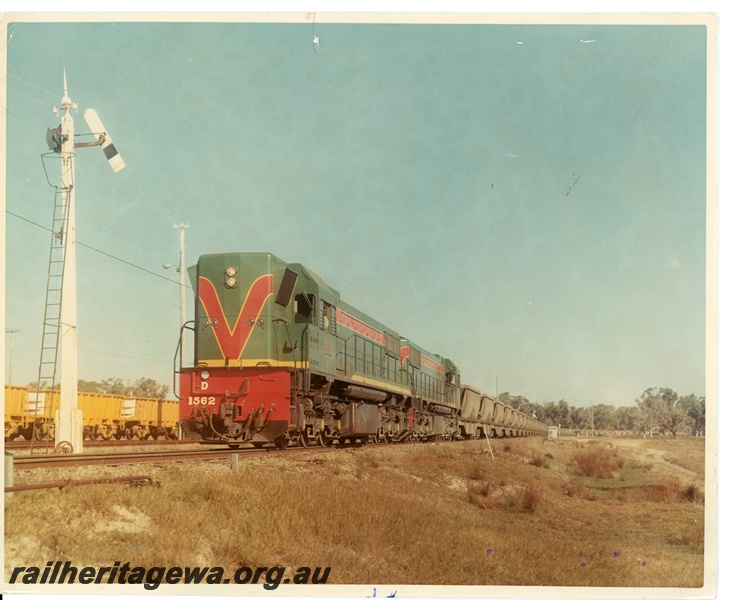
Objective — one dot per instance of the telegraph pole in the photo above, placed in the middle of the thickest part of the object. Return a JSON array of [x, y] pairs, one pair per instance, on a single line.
[[592, 427], [181, 273]]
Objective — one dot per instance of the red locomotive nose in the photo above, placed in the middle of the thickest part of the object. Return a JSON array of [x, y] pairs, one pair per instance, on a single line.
[[235, 405]]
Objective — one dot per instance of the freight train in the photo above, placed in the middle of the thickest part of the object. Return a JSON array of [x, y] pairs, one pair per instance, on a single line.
[[280, 358], [28, 415]]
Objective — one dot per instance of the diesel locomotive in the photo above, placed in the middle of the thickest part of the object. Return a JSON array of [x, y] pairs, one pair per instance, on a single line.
[[280, 358]]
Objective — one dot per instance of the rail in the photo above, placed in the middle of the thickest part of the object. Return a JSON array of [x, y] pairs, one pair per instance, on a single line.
[[35, 461]]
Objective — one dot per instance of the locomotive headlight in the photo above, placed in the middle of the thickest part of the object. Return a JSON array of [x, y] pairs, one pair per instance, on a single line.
[[230, 281], [204, 375]]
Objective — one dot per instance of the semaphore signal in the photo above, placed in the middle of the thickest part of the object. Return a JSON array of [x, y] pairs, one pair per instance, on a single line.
[[60, 318]]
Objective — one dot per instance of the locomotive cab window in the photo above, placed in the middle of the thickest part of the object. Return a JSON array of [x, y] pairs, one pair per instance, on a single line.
[[328, 321], [304, 310]]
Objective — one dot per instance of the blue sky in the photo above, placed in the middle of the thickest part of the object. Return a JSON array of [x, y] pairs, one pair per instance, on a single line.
[[528, 200]]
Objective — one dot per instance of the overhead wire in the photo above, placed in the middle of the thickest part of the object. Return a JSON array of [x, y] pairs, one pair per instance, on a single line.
[[27, 83], [26, 96], [51, 155], [98, 223], [109, 232], [33, 85], [102, 252]]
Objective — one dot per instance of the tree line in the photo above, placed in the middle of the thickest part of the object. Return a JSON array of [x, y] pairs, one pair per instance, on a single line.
[[656, 411], [145, 387]]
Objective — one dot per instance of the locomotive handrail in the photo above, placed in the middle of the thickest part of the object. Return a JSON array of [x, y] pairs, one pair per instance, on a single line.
[[290, 339], [178, 356]]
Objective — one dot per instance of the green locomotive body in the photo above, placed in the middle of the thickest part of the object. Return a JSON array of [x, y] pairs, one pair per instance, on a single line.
[[279, 357]]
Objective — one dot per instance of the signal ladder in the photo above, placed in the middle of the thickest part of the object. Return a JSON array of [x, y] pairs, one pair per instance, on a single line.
[[51, 320]]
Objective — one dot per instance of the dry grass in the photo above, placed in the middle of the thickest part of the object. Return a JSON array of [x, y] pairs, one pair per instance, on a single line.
[[413, 514]]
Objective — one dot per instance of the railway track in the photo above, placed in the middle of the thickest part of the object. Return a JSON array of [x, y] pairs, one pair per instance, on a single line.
[[36, 461], [41, 445]]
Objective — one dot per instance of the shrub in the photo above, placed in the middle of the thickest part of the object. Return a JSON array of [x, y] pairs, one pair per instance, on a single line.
[[480, 494], [477, 471], [529, 497], [692, 493], [538, 460], [597, 462], [692, 536], [673, 490], [664, 492], [525, 498], [576, 490]]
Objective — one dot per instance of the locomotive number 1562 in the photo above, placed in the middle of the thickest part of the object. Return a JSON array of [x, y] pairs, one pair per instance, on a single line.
[[201, 400]]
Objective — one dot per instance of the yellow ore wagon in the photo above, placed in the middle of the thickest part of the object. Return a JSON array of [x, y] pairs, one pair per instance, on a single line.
[[30, 414]]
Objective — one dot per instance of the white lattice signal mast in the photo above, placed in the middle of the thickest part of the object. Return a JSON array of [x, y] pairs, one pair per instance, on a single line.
[[69, 422], [68, 425]]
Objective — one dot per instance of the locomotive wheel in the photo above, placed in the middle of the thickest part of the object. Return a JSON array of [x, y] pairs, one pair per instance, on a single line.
[[320, 439], [282, 442], [258, 445], [302, 441]]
